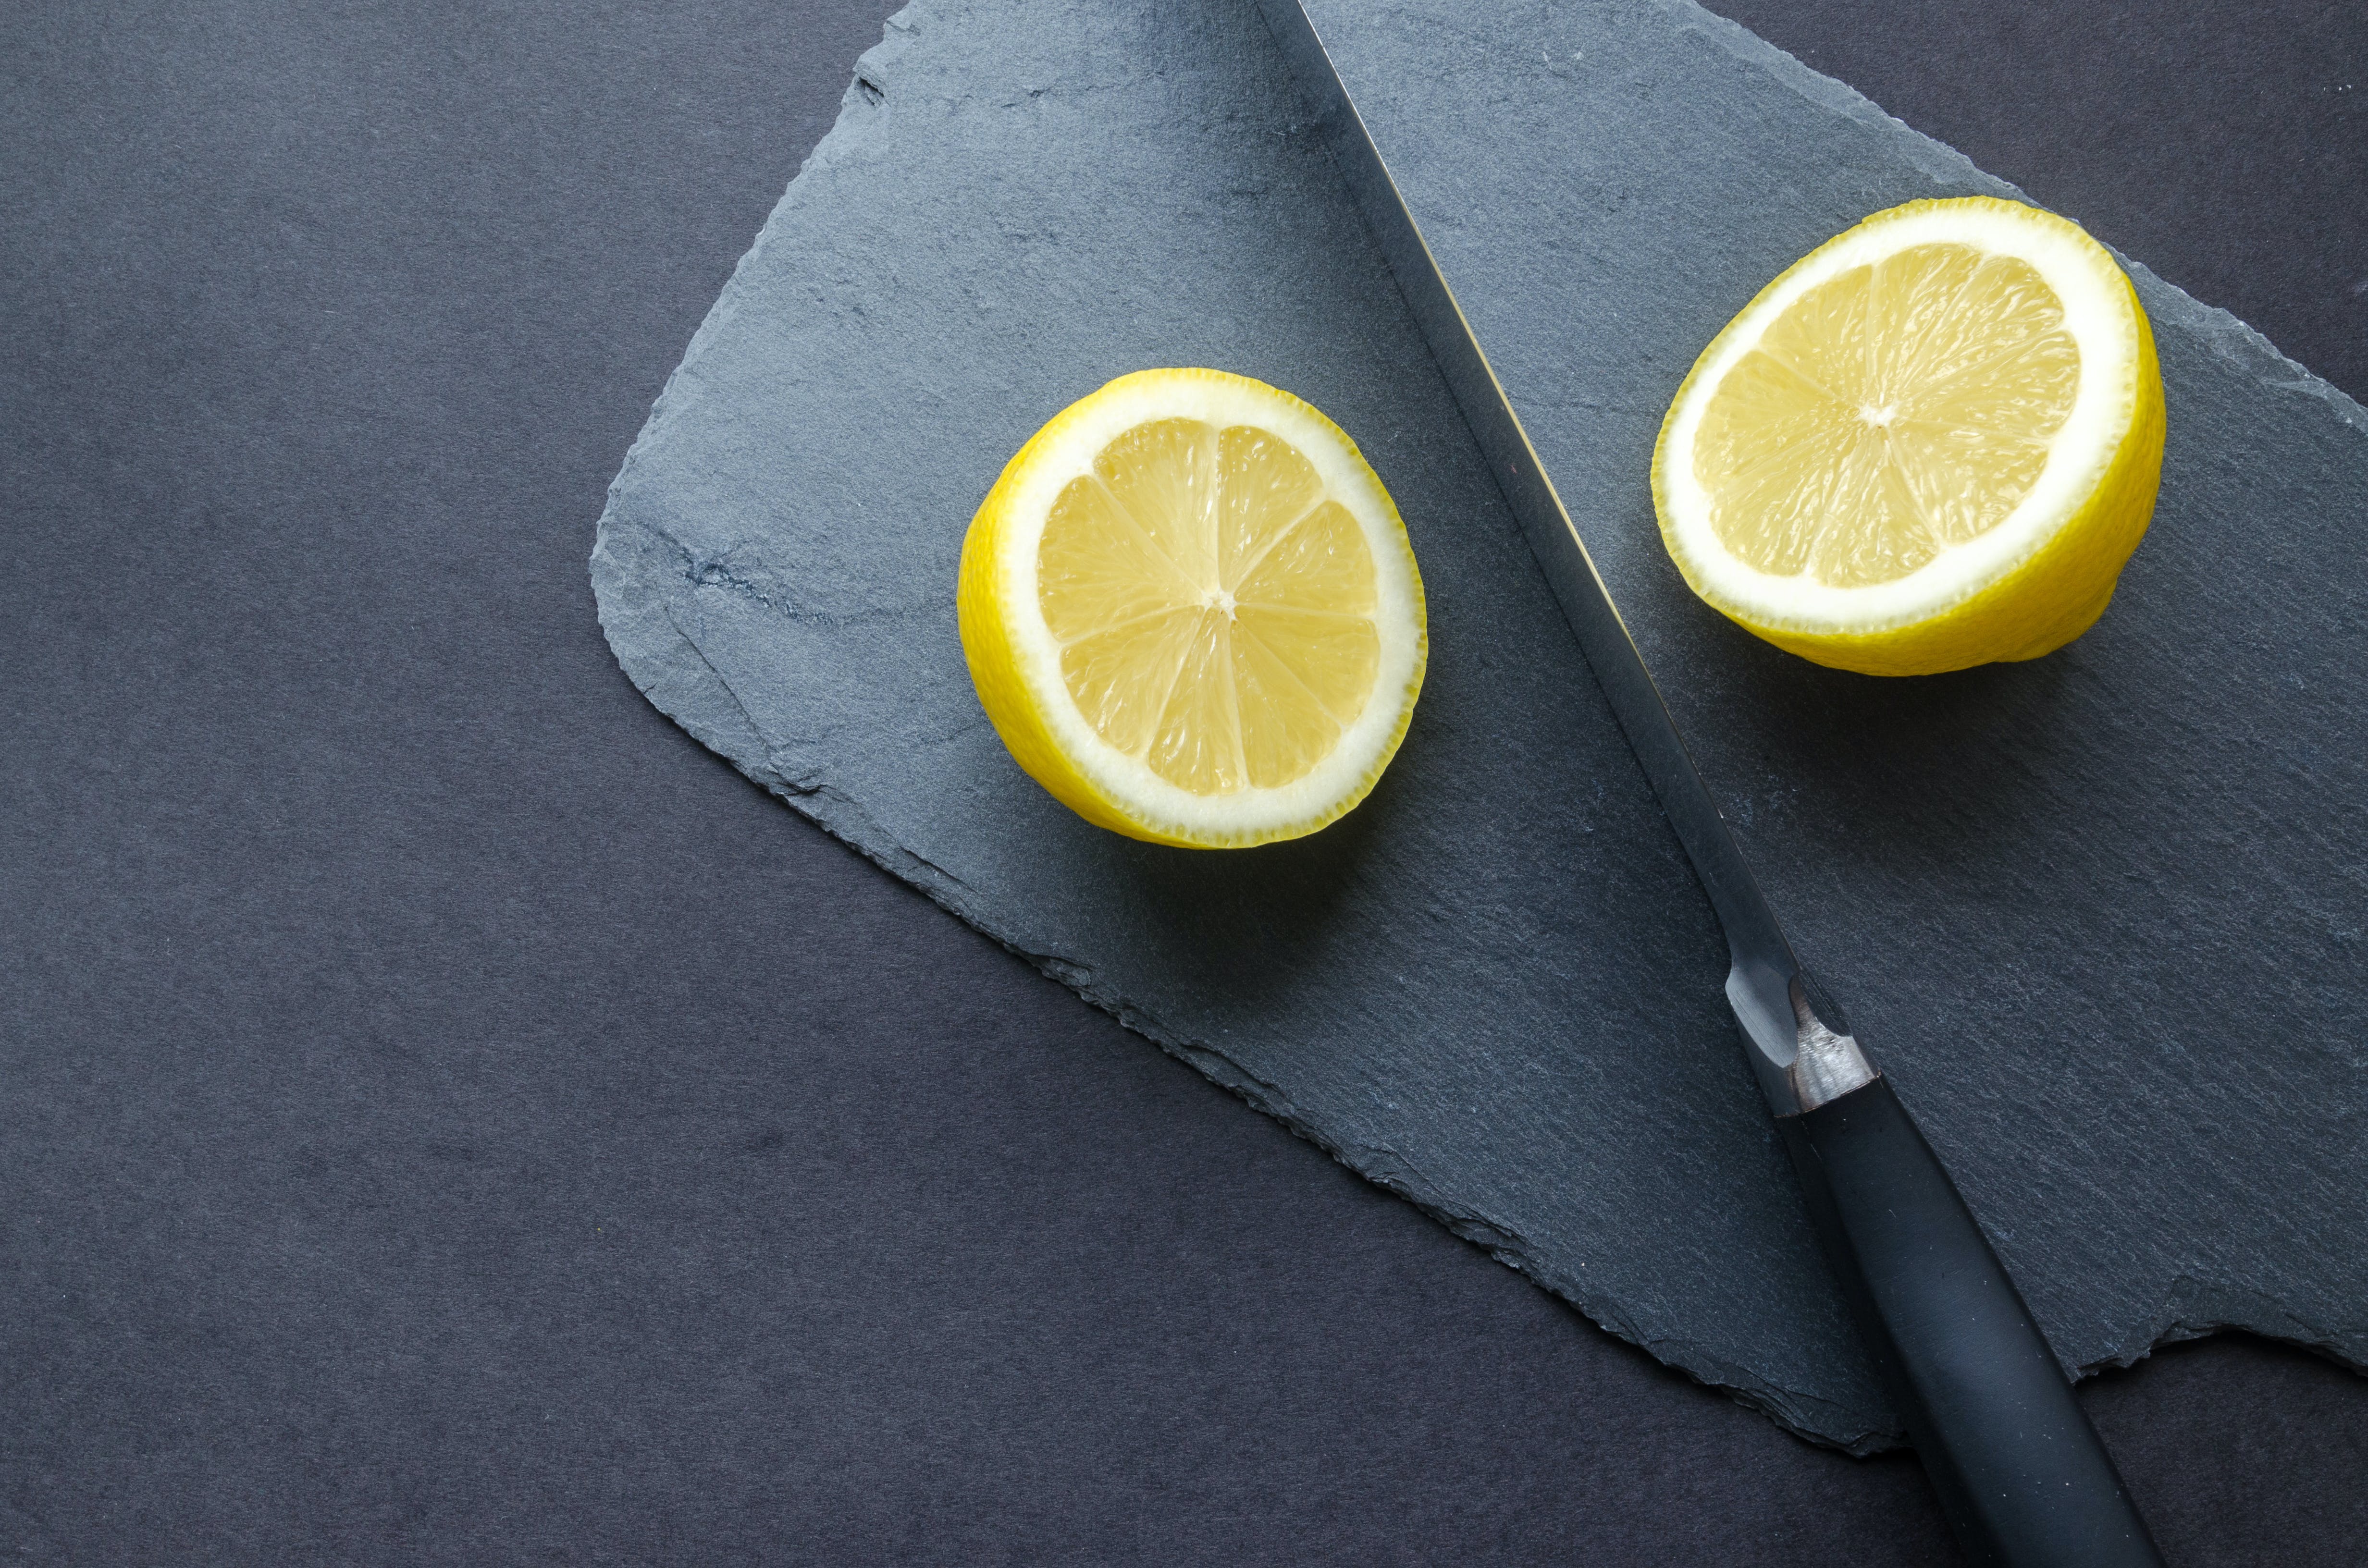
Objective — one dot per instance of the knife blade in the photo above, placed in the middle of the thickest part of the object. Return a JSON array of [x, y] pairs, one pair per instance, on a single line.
[[2020, 1473]]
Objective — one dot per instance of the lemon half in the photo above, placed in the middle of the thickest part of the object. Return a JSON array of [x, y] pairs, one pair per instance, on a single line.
[[1192, 613], [1931, 443]]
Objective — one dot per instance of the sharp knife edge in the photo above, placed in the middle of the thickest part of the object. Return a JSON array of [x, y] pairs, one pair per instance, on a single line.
[[1760, 981], [2020, 1473]]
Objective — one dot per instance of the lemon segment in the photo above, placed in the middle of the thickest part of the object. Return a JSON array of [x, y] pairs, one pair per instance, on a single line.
[[1931, 443], [1191, 612]]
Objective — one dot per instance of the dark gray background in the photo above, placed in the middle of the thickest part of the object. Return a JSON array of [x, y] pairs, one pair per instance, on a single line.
[[449, 1116]]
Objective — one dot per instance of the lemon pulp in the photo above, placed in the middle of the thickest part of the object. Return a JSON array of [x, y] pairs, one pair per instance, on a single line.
[[1898, 411], [1214, 608]]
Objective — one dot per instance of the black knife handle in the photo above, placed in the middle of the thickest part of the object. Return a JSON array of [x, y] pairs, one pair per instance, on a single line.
[[2023, 1478]]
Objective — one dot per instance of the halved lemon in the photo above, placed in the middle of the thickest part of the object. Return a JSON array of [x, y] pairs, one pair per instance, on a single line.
[[1931, 443], [1191, 611]]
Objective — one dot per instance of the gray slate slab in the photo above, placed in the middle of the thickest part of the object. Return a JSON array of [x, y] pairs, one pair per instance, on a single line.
[[1495, 988], [2100, 915]]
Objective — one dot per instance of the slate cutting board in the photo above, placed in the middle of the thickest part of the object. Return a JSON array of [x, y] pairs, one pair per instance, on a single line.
[[1495, 988], [2100, 913]]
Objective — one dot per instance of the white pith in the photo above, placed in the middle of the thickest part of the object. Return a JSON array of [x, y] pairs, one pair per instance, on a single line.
[[2101, 318], [1068, 452]]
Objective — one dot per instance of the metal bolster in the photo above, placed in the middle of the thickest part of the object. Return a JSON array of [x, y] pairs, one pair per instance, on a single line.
[[1825, 1065], [1800, 1063]]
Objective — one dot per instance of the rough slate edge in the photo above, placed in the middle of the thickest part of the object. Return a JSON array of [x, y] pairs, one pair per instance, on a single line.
[[695, 703], [726, 729], [2186, 1308], [2189, 1313], [1845, 1411]]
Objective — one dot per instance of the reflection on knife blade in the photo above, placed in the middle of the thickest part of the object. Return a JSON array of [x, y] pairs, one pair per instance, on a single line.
[[2020, 1473]]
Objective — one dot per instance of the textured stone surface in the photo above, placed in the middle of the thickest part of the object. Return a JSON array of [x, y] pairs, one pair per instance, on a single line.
[[2099, 915], [1494, 987]]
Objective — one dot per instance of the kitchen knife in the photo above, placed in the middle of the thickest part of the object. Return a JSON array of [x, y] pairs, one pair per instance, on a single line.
[[2021, 1474]]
